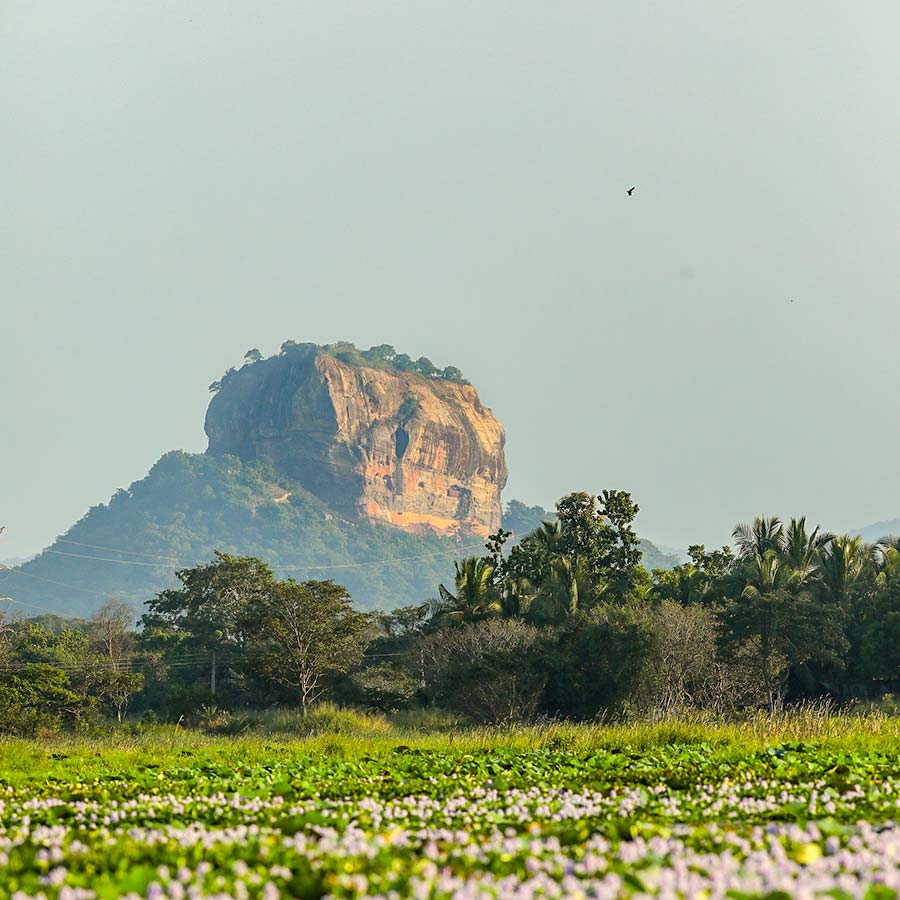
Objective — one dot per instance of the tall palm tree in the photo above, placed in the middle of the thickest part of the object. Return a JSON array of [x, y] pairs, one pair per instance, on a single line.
[[766, 574], [768, 588], [800, 549], [759, 537], [548, 536], [685, 584], [475, 596], [567, 589], [843, 562], [516, 595], [888, 557]]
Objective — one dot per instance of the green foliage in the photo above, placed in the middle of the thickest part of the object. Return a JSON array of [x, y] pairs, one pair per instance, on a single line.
[[519, 519], [326, 719], [37, 696], [596, 660], [52, 680], [381, 356], [384, 686], [304, 633], [191, 505]]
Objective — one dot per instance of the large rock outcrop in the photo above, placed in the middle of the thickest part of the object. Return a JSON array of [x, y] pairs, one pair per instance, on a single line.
[[374, 443]]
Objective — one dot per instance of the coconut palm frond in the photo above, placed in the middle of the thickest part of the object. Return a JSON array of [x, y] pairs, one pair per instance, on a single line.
[[760, 536]]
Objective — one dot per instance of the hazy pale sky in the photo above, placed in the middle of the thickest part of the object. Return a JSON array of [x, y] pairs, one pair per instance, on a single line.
[[185, 180]]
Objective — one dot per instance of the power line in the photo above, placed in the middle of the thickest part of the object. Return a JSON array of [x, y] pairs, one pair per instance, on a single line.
[[115, 550], [280, 568], [72, 587], [140, 660], [381, 562], [124, 562]]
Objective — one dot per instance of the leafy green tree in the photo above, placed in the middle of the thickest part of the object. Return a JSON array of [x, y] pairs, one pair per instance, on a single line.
[[801, 550], [380, 353], [47, 679], [596, 659], [686, 584], [252, 356], [207, 610], [880, 625], [702, 580], [117, 688], [567, 589], [424, 366], [594, 533], [35, 695], [598, 532], [305, 632], [451, 373]]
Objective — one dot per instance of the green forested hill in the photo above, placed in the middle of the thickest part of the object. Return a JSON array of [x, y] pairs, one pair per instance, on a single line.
[[192, 504]]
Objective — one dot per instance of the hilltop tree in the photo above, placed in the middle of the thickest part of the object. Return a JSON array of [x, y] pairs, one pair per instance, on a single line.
[[451, 373], [426, 367], [380, 353]]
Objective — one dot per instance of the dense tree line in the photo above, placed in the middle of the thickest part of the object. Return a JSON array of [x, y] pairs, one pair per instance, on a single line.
[[565, 623]]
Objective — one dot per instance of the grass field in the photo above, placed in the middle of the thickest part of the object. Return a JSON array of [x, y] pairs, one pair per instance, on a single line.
[[805, 804]]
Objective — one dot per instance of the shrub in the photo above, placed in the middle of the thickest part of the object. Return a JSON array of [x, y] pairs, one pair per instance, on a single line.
[[487, 670], [384, 687]]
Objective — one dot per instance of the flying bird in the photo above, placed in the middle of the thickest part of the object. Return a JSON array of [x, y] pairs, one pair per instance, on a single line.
[[630, 191]]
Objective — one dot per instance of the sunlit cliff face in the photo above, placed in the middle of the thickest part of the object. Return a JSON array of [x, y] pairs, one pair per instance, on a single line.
[[394, 447]]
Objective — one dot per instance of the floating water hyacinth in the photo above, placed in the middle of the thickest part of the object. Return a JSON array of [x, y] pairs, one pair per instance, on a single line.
[[268, 832]]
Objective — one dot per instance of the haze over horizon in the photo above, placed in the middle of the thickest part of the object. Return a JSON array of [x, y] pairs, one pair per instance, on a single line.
[[189, 181]]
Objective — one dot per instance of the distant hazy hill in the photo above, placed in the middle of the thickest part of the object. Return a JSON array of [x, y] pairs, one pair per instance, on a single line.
[[872, 533], [192, 504]]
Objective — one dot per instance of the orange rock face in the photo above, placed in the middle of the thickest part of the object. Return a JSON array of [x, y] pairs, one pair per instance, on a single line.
[[393, 447]]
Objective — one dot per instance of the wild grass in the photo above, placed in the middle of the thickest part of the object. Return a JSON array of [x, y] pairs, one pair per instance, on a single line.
[[282, 735]]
